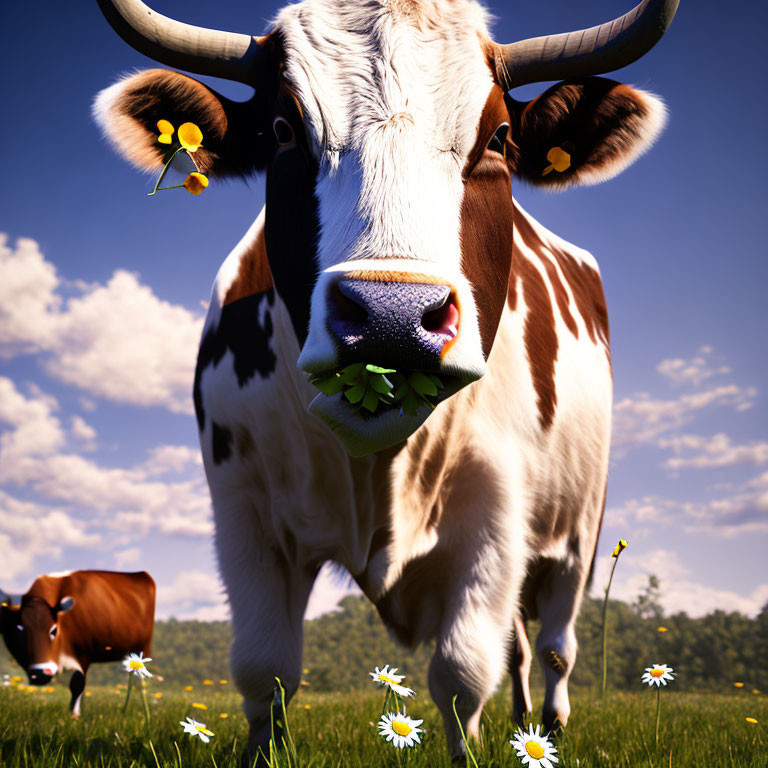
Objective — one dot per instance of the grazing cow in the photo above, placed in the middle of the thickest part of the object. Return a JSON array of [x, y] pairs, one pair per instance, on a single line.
[[74, 619], [390, 237]]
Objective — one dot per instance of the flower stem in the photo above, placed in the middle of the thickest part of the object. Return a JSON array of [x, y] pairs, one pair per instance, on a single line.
[[164, 171], [285, 724], [658, 712], [463, 735], [144, 697], [128, 692], [605, 627]]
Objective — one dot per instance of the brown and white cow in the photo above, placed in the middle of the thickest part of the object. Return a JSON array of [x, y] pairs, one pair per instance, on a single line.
[[74, 619], [390, 237]]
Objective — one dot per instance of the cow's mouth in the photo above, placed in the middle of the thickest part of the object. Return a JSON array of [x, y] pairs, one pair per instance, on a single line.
[[370, 389], [371, 408]]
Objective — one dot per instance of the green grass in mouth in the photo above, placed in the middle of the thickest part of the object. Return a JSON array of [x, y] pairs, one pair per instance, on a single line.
[[370, 386]]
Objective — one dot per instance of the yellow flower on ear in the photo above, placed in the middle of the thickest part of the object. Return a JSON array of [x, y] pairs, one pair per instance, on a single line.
[[166, 131], [559, 160], [190, 137], [195, 183]]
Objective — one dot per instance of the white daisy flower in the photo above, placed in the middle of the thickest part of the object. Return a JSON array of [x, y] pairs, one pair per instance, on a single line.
[[135, 663], [194, 728], [658, 675], [400, 729], [533, 749], [387, 676]]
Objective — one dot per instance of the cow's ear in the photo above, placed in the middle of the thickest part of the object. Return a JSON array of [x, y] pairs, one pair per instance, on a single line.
[[65, 604], [234, 142], [583, 131]]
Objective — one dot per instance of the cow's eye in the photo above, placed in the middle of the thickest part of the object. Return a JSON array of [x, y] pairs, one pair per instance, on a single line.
[[283, 131], [496, 144], [54, 630]]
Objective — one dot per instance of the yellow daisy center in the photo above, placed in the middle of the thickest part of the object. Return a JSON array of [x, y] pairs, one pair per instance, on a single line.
[[203, 730], [386, 679], [534, 749], [136, 664], [400, 728], [657, 672]]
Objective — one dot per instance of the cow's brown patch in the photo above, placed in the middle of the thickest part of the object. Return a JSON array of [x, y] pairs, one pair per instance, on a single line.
[[540, 340], [253, 275], [487, 222]]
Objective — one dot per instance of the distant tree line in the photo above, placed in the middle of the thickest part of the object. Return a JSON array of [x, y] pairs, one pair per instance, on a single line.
[[340, 648]]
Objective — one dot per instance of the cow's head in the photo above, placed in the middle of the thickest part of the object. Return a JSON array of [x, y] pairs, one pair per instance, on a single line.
[[31, 633], [389, 142]]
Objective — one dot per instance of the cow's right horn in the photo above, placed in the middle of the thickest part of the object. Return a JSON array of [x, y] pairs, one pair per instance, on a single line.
[[6, 599], [203, 51]]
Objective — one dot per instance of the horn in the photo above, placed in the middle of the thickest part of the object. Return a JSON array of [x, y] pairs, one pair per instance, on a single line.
[[593, 51], [228, 55], [10, 600]]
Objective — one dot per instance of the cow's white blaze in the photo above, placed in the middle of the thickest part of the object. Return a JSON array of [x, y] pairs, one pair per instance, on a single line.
[[392, 114]]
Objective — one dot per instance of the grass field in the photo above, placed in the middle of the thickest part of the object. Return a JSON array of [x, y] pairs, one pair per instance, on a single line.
[[701, 730]]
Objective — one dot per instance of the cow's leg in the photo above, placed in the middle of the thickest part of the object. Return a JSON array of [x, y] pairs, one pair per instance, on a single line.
[[469, 661], [520, 658], [267, 597], [76, 688], [558, 603]]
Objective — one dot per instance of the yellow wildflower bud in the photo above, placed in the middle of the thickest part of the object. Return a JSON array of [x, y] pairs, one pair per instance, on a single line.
[[662, 629], [559, 161], [197, 705], [195, 183], [188, 688], [223, 715], [166, 131], [751, 720], [620, 547], [207, 682], [738, 685], [190, 137]]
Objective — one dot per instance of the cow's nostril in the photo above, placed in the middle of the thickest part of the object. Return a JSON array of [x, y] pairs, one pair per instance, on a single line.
[[444, 319], [345, 309]]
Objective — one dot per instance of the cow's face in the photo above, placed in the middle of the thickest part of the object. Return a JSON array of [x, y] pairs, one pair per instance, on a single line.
[[389, 149], [31, 633]]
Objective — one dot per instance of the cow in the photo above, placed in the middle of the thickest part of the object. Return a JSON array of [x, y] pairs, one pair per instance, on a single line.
[[73, 619], [469, 496]]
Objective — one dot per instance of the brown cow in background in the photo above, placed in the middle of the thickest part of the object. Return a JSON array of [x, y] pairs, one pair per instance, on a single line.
[[74, 619]]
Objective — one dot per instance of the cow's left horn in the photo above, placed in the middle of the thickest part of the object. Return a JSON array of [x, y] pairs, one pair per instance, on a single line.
[[195, 49], [593, 51]]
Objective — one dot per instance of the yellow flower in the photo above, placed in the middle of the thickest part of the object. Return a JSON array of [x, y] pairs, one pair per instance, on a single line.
[[223, 715], [751, 720], [197, 705], [223, 682], [88, 693], [307, 706], [158, 695], [559, 160], [207, 682], [620, 547], [195, 183], [754, 690], [190, 137], [188, 688], [662, 629], [166, 131], [738, 685]]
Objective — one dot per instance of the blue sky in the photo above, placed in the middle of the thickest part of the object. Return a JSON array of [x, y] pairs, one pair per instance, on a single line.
[[102, 292]]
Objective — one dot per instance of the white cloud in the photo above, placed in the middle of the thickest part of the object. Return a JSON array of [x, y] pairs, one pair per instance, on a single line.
[[678, 590], [711, 452], [693, 371], [332, 585], [743, 512], [117, 341], [82, 430], [127, 557], [193, 594], [171, 458], [643, 419], [35, 430]]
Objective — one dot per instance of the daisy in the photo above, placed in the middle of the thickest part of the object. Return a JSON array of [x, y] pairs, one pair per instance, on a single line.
[[194, 728], [533, 749], [136, 664], [387, 676], [400, 729], [658, 675]]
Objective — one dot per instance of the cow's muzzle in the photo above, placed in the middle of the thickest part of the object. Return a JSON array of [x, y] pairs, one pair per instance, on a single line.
[[397, 324], [42, 674]]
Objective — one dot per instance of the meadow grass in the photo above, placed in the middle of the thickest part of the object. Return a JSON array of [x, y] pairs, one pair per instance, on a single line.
[[338, 730]]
